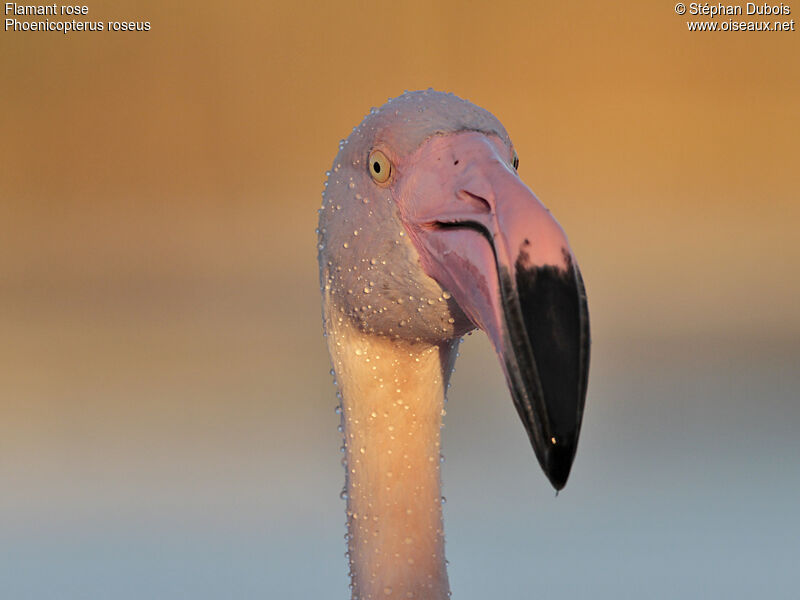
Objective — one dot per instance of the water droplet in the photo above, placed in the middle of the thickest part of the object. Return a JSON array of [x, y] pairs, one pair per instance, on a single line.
[[387, 591]]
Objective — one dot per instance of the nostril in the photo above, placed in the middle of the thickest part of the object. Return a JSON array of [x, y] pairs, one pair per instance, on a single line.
[[482, 204]]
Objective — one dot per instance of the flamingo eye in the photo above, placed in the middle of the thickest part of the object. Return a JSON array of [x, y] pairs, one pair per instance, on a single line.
[[379, 166], [515, 162]]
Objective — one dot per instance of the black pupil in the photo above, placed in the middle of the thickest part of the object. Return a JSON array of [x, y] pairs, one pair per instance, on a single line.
[[376, 166]]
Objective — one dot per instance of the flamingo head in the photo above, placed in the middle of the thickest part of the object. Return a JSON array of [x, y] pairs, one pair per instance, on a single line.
[[427, 232]]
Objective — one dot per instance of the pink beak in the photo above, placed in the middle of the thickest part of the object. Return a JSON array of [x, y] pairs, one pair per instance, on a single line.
[[483, 235]]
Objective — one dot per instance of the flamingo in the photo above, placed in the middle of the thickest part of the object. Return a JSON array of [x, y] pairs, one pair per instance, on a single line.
[[426, 231]]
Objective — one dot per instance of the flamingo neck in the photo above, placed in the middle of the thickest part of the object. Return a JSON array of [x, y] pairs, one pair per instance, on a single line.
[[392, 405]]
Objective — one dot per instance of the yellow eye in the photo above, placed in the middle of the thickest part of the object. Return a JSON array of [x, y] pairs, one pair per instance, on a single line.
[[379, 166], [515, 162]]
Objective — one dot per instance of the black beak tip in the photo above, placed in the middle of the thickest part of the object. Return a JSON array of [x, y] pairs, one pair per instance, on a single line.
[[559, 463]]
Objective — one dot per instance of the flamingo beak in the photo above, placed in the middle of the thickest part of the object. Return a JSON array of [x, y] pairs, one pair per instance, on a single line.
[[483, 235]]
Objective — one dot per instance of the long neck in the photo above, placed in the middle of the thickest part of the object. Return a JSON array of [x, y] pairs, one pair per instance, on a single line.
[[392, 406]]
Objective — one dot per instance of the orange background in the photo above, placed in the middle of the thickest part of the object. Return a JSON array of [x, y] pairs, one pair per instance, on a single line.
[[163, 372]]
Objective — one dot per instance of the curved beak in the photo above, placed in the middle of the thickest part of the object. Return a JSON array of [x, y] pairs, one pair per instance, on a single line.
[[483, 235]]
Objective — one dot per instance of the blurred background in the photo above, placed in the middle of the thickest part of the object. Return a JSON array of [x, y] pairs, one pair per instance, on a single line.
[[167, 425]]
